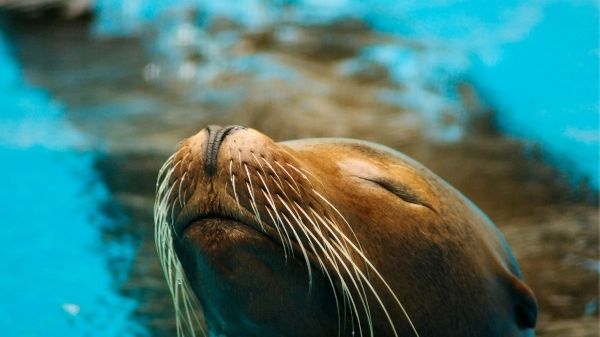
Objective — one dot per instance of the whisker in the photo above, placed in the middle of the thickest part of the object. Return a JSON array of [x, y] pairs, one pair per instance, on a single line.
[[274, 172], [187, 310], [253, 200], [356, 284], [384, 282], [298, 241], [181, 184], [300, 173], [269, 199], [325, 239], [232, 177], [340, 215], [297, 189]]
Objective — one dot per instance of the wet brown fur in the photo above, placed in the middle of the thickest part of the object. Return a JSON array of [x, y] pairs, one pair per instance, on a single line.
[[444, 260]]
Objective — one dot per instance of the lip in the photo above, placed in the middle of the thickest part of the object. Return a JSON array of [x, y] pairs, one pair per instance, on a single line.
[[183, 226], [209, 224]]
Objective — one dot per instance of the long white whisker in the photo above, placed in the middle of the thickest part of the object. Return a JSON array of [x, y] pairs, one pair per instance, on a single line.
[[165, 166], [300, 173], [325, 239], [232, 177], [186, 307], [274, 172], [180, 185], [271, 202], [382, 279], [325, 252], [340, 215], [297, 189], [343, 255], [298, 240], [362, 296]]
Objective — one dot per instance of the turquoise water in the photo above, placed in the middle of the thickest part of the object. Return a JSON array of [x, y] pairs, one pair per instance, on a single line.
[[535, 62], [55, 281], [545, 86]]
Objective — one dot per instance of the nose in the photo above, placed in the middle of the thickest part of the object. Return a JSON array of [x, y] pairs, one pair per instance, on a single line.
[[216, 135]]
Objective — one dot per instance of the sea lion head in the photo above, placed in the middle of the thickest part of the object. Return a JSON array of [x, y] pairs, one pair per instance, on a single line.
[[328, 237]]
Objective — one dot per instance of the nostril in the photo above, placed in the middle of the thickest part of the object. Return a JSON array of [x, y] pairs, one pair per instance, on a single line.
[[216, 135]]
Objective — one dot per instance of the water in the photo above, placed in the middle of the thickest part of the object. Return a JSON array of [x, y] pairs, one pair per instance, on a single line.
[[422, 77], [553, 97], [56, 280], [535, 62]]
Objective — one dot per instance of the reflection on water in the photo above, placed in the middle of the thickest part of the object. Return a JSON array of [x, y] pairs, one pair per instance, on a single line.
[[56, 280], [146, 77]]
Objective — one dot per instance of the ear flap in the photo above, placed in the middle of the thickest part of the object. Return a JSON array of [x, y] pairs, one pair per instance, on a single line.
[[525, 304]]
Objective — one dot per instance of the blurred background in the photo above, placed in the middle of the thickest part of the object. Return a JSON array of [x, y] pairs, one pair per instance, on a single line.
[[500, 98]]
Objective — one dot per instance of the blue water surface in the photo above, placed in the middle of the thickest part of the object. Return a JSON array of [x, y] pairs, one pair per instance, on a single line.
[[545, 86], [55, 280], [535, 61]]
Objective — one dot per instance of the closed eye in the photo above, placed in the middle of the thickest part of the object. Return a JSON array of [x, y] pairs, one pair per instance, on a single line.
[[400, 190]]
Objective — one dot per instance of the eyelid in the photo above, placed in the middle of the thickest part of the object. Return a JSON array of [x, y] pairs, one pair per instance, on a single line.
[[400, 190]]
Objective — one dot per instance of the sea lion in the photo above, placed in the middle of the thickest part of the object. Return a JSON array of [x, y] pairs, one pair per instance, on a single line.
[[328, 237]]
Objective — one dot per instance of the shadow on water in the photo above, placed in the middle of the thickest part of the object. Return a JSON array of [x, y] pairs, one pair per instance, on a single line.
[[111, 92]]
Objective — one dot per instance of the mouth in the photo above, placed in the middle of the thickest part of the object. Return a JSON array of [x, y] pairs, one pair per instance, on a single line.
[[220, 231], [212, 226], [221, 221]]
